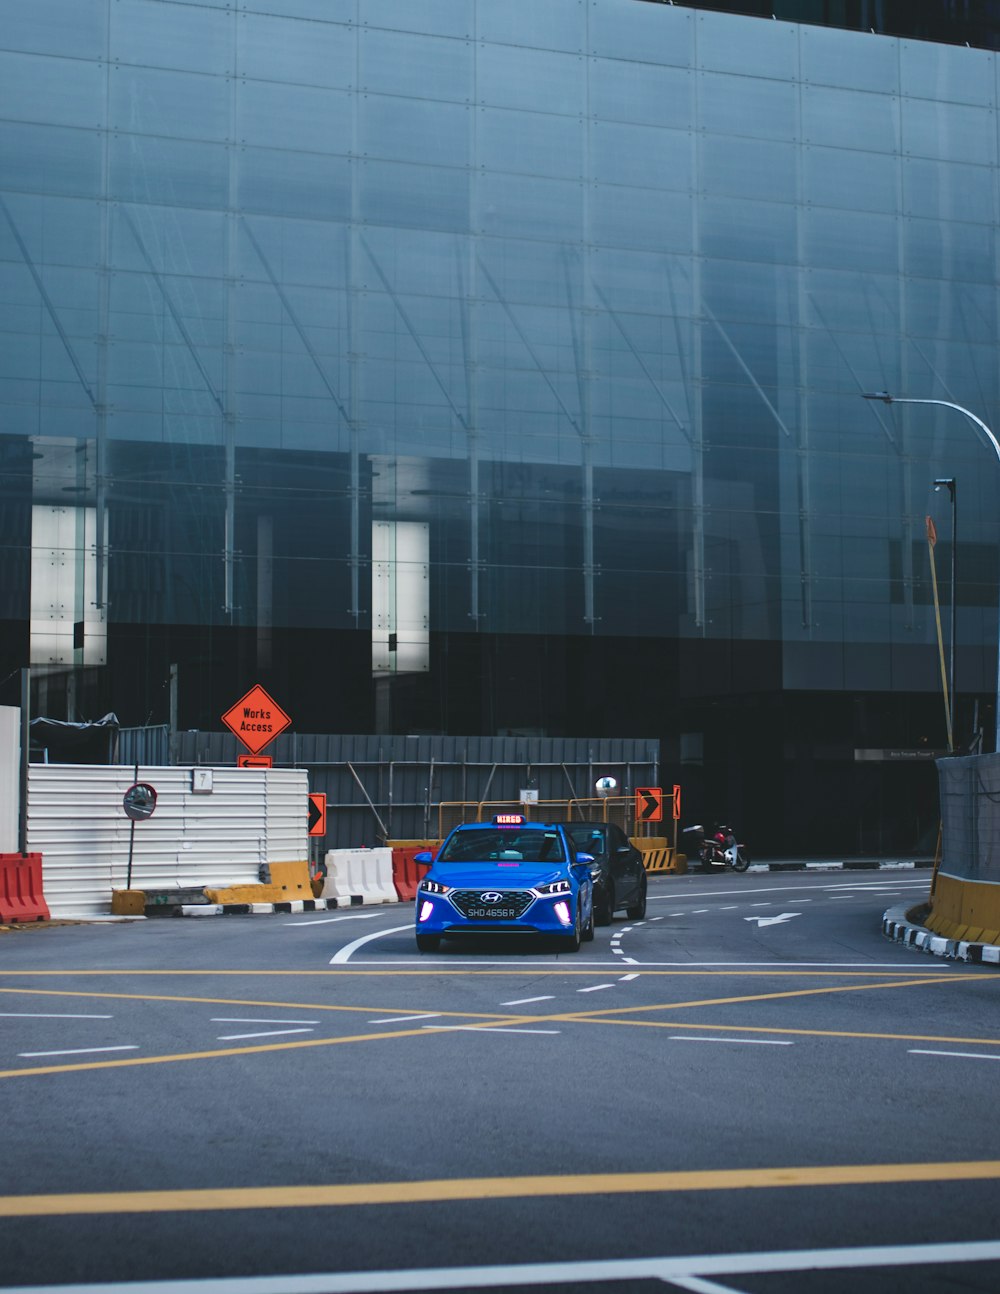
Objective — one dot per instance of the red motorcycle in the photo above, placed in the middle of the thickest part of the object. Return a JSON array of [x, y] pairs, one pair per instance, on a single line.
[[717, 849]]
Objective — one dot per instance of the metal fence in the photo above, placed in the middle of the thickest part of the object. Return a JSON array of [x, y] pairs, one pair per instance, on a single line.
[[970, 817], [389, 787]]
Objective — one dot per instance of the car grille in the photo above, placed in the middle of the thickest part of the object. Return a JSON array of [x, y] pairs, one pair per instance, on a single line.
[[511, 904]]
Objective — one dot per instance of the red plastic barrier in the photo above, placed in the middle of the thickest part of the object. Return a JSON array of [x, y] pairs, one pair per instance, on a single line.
[[406, 874], [21, 888]]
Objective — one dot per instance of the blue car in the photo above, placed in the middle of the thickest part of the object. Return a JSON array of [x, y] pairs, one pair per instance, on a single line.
[[508, 876]]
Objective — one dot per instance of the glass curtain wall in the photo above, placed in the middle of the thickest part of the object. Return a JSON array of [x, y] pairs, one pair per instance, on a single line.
[[554, 315]]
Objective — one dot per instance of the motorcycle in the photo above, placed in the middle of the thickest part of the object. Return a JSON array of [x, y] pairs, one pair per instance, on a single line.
[[717, 849]]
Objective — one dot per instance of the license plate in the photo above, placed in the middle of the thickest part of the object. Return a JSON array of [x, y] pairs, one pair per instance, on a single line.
[[495, 914]]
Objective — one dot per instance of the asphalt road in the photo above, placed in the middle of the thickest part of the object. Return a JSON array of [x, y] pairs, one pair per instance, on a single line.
[[750, 1090]]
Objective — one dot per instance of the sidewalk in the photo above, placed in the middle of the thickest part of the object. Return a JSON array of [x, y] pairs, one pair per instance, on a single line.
[[838, 865]]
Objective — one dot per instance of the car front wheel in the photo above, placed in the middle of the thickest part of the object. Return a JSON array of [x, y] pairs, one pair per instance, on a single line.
[[571, 943]]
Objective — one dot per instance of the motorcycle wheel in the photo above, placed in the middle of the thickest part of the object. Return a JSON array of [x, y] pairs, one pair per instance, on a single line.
[[742, 861]]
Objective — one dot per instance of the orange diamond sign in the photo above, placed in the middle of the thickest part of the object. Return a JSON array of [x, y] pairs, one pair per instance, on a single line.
[[256, 719]]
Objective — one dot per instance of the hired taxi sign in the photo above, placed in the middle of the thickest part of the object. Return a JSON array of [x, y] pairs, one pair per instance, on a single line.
[[256, 719]]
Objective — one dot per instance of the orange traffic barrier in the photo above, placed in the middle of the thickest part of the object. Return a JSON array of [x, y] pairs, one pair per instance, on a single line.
[[406, 874], [21, 888]]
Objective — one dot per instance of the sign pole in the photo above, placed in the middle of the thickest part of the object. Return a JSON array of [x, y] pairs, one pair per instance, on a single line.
[[131, 835]]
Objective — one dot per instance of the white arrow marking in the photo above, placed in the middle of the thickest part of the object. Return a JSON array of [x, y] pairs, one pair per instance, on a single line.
[[773, 921]]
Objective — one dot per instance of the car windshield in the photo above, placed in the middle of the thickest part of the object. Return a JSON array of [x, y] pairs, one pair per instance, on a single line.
[[500, 844]]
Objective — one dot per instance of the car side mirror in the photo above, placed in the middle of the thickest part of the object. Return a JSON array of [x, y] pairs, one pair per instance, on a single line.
[[425, 857], [624, 851], [585, 858]]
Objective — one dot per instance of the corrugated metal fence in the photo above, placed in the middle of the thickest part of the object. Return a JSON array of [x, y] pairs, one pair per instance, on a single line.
[[77, 822], [389, 787]]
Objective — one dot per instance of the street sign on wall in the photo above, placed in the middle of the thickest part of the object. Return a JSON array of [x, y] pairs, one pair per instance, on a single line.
[[256, 719]]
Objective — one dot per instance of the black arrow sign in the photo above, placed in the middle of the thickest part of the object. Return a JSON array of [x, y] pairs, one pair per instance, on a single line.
[[649, 804], [317, 814]]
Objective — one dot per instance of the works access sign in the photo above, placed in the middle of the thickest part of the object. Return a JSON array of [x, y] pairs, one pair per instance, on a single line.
[[256, 719]]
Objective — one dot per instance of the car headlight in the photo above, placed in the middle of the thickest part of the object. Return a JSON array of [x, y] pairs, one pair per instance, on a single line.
[[434, 887], [554, 887]]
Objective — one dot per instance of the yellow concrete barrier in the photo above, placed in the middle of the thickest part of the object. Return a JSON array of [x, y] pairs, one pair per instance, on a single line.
[[248, 894], [292, 879], [965, 910]]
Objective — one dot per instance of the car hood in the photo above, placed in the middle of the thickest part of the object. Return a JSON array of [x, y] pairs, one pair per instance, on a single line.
[[498, 876]]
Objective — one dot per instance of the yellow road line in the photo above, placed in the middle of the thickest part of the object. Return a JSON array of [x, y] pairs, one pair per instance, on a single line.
[[757, 997], [611, 1015], [533, 971], [131, 1061], [488, 1188], [242, 1001]]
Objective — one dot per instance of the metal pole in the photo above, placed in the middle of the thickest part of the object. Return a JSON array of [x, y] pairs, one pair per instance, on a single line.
[[886, 398], [950, 485], [22, 814]]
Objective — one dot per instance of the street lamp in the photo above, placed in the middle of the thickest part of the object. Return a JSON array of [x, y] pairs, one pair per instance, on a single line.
[[886, 398], [948, 483]]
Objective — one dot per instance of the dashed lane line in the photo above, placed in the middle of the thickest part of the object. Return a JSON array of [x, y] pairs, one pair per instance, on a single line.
[[523, 1001], [75, 1051], [756, 1042], [401, 1019], [594, 988], [264, 1033], [964, 1055]]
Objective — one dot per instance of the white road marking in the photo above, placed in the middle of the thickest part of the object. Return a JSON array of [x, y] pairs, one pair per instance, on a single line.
[[697, 912], [965, 1055], [45, 1015], [730, 907], [523, 1001], [244, 1019], [768, 904], [79, 1051], [696, 1285], [594, 988], [325, 921], [666, 1269], [396, 1019], [482, 1028], [777, 920], [266, 1033], [348, 950], [752, 1042], [625, 978]]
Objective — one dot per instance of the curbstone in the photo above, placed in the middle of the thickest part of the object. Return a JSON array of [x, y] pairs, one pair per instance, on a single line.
[[896, 927]]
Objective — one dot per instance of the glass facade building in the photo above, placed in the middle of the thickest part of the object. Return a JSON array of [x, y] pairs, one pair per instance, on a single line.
[[454, 366]]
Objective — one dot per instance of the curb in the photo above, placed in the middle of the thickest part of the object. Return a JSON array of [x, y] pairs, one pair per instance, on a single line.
[[896, 927], [848, 865], [263, 909]]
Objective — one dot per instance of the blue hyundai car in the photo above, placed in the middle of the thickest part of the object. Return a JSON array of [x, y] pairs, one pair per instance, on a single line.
[[506, 877]]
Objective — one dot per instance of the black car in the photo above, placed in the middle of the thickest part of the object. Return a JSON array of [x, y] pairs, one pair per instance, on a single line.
[[618, 874]]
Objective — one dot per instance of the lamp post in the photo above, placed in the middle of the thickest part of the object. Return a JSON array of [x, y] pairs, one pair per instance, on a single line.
[[886, 398], [948, 483]]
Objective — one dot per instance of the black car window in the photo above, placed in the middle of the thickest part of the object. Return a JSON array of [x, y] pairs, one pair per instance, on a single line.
[[589, 840], [495, 844]]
